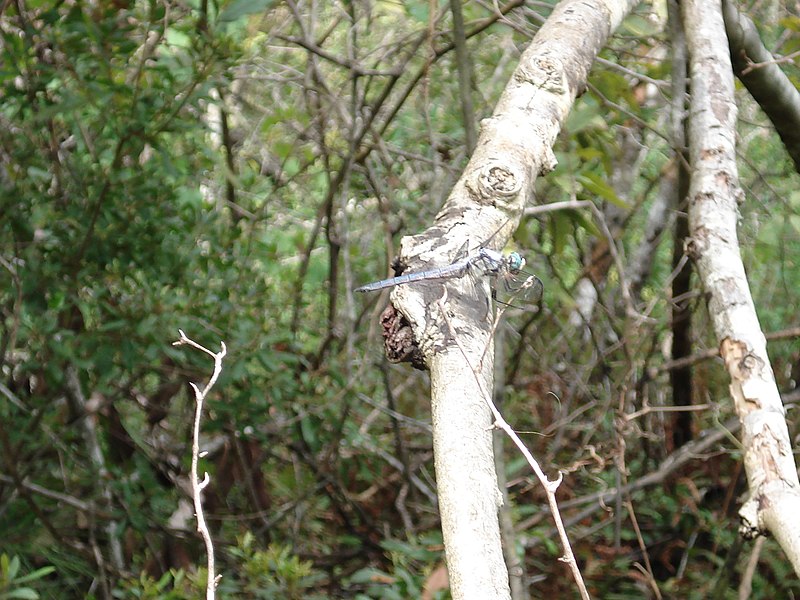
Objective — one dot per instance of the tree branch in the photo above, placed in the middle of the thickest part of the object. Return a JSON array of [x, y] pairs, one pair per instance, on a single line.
[[197, 485], [759, 72], [774, 502], [549, 486], [514, 147]]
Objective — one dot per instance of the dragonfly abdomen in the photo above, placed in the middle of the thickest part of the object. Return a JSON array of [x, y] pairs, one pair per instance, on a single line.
[[457, 269]]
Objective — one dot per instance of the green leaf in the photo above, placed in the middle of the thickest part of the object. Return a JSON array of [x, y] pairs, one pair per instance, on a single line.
[[794, 200], [370, 575], [4, 564], [585, 220], [585, 117], [309, 430], [790, 22], [795, 221], [418, 11], [11, 568], [561, 230], [178, 38], [639, 26], [240, 8], [597, 186], [37, 574], [22, 594]]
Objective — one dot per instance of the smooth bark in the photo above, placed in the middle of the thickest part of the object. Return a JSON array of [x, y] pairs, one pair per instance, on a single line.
[[757, 69]]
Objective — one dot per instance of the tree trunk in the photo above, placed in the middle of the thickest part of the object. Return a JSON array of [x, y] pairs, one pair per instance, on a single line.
[[515, 145], [774, 491]]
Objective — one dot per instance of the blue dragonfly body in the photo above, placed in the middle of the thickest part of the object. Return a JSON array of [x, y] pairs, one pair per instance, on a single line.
[[505, 268]]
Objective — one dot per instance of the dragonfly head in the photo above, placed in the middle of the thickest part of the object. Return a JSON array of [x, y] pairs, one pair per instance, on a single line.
[[515, 262]]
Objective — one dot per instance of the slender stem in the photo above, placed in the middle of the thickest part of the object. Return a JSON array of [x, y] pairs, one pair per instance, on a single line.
[[197, 485]]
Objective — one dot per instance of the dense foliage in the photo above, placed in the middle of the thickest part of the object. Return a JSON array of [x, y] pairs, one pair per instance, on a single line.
[[235, 170]]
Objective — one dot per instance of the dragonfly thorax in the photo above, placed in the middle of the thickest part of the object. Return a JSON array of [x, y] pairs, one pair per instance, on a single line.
[[515, 262]]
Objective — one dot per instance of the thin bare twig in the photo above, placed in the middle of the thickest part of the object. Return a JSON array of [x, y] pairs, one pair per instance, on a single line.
[[789, 58], [197, 485], [72, 501], [665, 409], [80, 405], [612, 245], [549, 486], [746, 584]]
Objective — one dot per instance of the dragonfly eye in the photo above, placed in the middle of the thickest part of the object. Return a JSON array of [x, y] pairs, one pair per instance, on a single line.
[[515, 262]]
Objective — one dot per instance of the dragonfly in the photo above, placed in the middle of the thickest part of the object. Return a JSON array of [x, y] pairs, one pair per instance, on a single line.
[[504, 269]]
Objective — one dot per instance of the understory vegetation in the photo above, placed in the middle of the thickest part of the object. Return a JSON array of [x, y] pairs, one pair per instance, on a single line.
[[235, 170]]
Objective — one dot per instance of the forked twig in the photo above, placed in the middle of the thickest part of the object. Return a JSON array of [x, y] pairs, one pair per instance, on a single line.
[[197, 485], [549, 486]]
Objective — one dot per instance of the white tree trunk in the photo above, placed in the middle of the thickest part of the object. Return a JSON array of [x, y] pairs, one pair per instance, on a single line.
[[514, 146], [774, 502]]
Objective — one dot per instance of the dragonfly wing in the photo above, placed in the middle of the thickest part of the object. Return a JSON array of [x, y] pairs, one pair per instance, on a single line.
[[522, 289], [463, 251]]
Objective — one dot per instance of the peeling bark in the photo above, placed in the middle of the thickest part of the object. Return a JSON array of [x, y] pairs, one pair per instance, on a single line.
[[774, 491]]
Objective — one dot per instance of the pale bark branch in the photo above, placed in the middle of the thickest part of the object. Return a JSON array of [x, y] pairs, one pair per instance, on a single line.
[[774, 491], [549, 486], [198, 486], [514, 147], [88, 421]]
